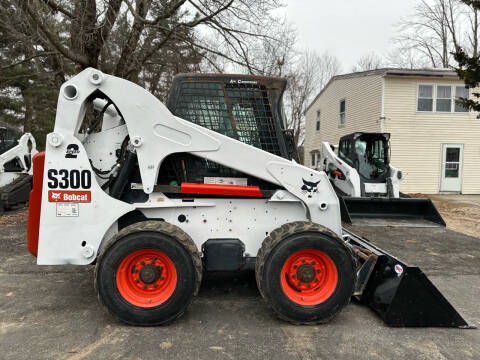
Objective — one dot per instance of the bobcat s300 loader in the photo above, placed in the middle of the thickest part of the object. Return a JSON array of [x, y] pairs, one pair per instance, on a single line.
[[105, 193]]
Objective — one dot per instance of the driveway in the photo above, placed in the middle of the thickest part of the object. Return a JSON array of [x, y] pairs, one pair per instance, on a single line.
[[49, 312]]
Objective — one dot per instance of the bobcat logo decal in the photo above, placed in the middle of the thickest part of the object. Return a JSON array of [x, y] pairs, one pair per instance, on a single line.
[[55, 196], [309, 187]]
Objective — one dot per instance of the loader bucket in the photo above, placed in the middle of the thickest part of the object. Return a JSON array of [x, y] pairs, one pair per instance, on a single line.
[[391, 212], [402, 295]]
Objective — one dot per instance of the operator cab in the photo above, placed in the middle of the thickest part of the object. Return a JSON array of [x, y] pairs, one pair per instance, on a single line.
[[368, 153], [8, 139], [244, 107]]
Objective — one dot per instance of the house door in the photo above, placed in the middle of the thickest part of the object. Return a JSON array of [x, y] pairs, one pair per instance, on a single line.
[[452, 156]]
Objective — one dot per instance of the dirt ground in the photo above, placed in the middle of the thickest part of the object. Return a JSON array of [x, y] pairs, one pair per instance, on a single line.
[[52, 312], [460, 212]]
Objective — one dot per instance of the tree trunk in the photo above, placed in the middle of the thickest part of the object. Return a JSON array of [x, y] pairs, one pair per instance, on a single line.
[[28, 116]]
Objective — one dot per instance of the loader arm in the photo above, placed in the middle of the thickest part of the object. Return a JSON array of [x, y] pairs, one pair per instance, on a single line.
[[16, 172], [154, 134], [343, 176], [26, 147]]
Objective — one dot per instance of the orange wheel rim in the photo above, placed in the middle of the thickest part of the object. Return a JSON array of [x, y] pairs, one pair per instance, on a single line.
[[146, 278], [309, 277]]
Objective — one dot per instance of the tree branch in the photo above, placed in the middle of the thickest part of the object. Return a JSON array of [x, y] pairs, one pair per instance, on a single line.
[[56, 7], [54, 40], [48, 53]]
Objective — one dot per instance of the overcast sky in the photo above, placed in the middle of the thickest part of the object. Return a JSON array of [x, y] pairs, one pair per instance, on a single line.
[[348, 29]]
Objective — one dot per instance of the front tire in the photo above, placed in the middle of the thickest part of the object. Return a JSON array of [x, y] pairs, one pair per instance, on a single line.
[[305, 273], [148, 274]]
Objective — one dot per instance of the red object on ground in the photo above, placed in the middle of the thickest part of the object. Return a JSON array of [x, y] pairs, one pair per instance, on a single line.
[[146, 278], [35, 204], [215, 189], [309, 277]]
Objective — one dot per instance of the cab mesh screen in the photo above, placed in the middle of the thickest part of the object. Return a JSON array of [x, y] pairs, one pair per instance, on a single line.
[[240, 111]]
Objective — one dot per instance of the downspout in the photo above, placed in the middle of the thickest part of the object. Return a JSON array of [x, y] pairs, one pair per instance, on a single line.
[[382, 110]]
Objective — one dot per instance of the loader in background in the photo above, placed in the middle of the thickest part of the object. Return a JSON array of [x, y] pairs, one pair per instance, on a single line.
[[369, 186], [15, 167], [112, 193]]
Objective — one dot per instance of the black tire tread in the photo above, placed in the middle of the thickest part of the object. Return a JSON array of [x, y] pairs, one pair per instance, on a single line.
[[273, 239], [163, 227]]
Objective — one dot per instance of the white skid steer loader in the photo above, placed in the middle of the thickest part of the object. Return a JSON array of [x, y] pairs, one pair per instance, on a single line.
[[15, 167], [369, 186], [102, 195]]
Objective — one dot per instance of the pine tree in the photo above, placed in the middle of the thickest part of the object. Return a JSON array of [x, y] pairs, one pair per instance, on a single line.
[[469, 67]]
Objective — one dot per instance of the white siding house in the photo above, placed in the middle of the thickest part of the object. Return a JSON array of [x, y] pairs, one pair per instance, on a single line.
[[434, 141]]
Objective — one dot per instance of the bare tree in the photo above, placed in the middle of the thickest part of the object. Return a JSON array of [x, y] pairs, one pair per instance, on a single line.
[[406, 59], [123, 36], [307, 77], [436, 29], [145, 41], [369, 61]]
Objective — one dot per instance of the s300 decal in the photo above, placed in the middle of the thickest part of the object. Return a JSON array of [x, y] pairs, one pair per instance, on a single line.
[[65, 179]]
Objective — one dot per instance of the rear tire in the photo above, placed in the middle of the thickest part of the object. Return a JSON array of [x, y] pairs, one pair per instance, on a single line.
[[148, 274], [305, 273]]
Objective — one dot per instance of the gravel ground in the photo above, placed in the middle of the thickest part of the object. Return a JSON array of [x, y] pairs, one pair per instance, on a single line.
[[460, 212], [49, 312]]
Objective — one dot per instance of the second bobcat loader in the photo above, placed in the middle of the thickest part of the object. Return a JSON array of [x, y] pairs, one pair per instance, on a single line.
[[369, 186], [143, 194], [15, 167]]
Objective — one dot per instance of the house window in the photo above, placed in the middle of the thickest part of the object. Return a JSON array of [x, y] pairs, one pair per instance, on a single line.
[[342, 112], [317, 124], [314, 158], [460, 92], [425, 98], [444, 98], [441, 98]]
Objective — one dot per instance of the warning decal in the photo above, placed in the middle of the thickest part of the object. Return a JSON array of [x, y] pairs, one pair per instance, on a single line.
[[69, 196], [67, 210], [398, 269]]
